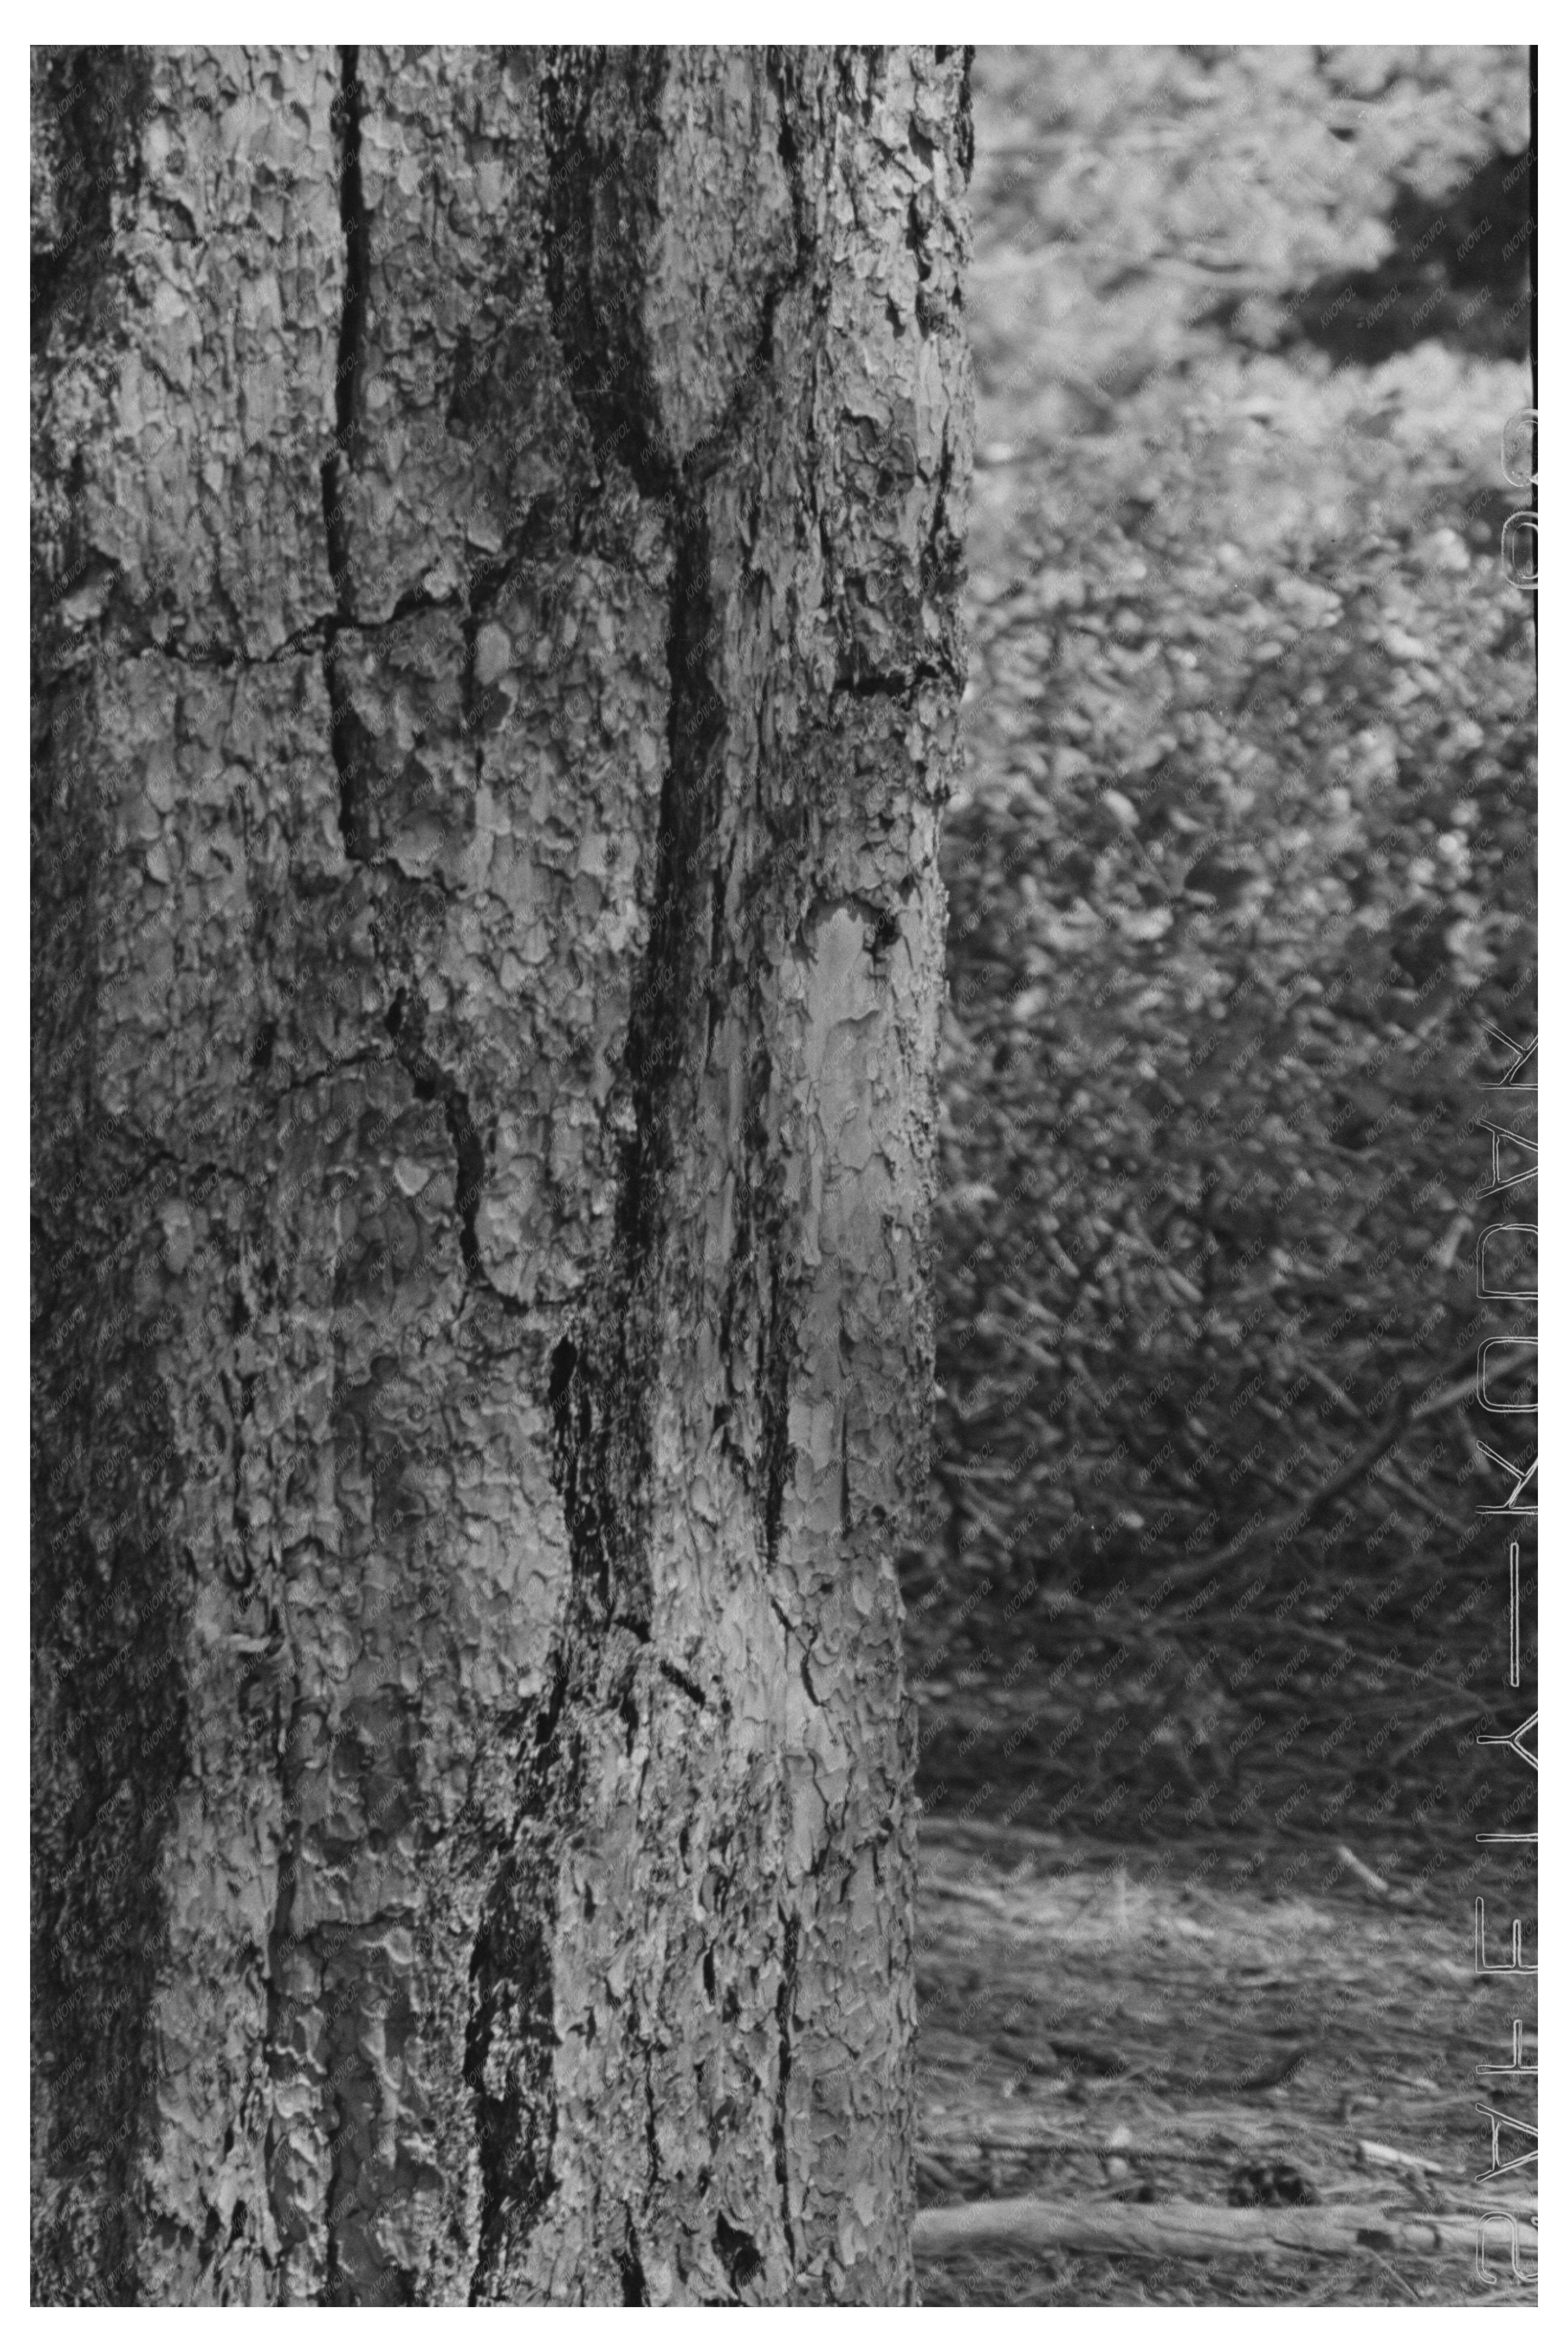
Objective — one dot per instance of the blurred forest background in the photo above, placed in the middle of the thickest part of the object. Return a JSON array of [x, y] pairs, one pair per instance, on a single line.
[[1240, 875]]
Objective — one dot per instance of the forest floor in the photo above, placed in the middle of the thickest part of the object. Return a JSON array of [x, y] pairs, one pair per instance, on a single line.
[[1106, 2023]]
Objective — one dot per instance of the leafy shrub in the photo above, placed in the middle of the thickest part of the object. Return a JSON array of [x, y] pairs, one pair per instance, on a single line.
[[1241, 874]]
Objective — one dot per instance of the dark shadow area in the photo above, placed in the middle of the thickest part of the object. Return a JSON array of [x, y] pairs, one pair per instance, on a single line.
[[1458, 274]]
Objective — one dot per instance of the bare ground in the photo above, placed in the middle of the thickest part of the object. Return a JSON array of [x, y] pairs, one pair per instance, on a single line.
[[1114, 2023]]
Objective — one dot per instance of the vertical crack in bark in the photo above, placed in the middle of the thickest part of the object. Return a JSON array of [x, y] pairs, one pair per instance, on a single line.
[[349, 757], [471, 728], [965, 145], [785, 2016], [777, 1452], [942, 556], [571, 1412], [634, 2282], [350, 746], [657, 1040], [88, 106], [603, 1435], [277, 2004], [470, 1156], [509, 2059], [332, 2277], [604, 1438], [346, 737], [649, 2038], [782, 72], [603, 1374], [348, 114], [596, 324], [406, 1024]]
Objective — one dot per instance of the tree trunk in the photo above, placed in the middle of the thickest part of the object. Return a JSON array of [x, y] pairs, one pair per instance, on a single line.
[[497, 544]]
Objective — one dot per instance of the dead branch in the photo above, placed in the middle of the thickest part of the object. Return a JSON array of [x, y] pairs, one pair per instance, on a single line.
[[1413, 1406], [1033, 2225]]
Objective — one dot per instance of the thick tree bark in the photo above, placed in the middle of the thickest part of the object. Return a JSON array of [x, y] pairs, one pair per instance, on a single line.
[[497, 535]]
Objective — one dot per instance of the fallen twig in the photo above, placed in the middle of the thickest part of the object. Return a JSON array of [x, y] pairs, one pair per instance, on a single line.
[[1034, 2225], [1005, 2144], [1414, 1405], [1372, 2151], [1367, 1877]]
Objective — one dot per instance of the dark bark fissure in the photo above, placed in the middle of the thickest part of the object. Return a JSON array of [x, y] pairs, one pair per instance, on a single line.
[[88, 107], [347, 732], [965, 145], [471, 708], [590, 1468], [119, 1725], [648, 2042], [405, 1025], [508, 2063], [607, 366], [347, 115], [109, 1608], [332, 2294], [695, 973], [351, 747], [604, 1438], [785, 2016], [279, 2007], [346, 736], [349, 758], [737, 2254], [681, 1681], [213, 653], [942, 557], [864, 107], [777, 1452], [674, 968], [508, 2058], [781, 74], [634, 2284], [691, 951]]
